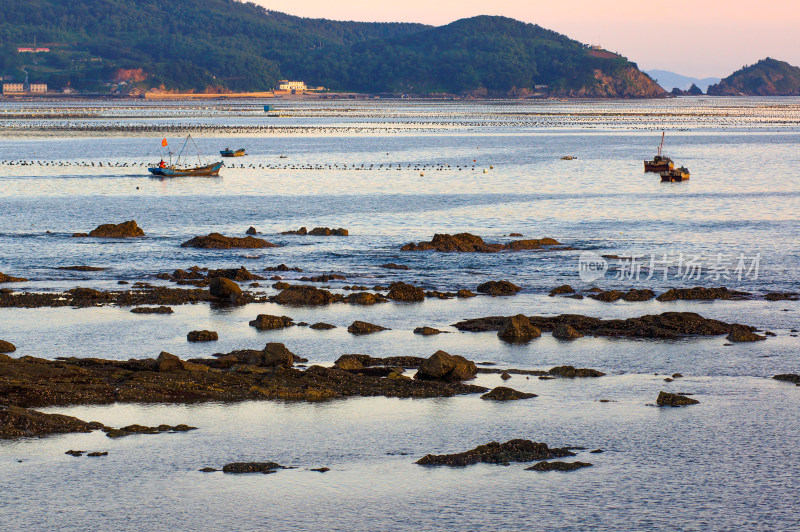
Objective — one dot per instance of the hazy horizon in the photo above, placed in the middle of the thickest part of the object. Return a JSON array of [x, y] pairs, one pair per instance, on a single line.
[[699, 39]]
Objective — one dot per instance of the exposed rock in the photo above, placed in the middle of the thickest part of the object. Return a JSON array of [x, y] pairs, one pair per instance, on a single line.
[[518, 329], [393, 266], [566, 332], [224, 288], [282, 268], [252, 467], [367, 361], [609, 296], [281, 285], [9, 279], [426, 331], [168, 362], [322, 326], [350, 362], [531, 243], [365, 298], [469, 243], [744, 335], [671, 399], [218, 241], [498, 453], [130, 430], [152, 310], [498, 288], [301, 231], [788, 377], [127, 229], [446, 367], [701, 293], [563, 289], [558, 466], [305, 296], [440, 295], [405, 292], [97, 453], [505, 376], [72, 452], [208, 470], [7, 347], [321, 469], [362, 327], [16, 422], [82, 268], [571, 372], [267, 322], [327, 231], [325, 278], [274, 354], [251, 231], [235, 274], [782, 296], [80, 235], [464, 293], [665, 325], [202, 336], [501, 393]]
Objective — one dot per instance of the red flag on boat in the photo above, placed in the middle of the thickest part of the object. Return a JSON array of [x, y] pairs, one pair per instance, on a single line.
[[163, 142]]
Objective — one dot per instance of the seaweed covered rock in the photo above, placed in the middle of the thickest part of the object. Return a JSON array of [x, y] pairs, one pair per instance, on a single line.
[[202, 336], [498, 288], [672, 399], [701, 293], [405, 292], [7, 347], [168, 362], [498, 453], [305, 296], [558, 466], [153, 310], [252, 467], [502, 393], [268, 322], [362, 327], [563, 289], [127, 229], [446, 367], [566, 332], [461, 242], [426, 331], [570, 372], [9, 279], [744, 335], [518, 329], [218, 241], [16, 422], [224, 288]]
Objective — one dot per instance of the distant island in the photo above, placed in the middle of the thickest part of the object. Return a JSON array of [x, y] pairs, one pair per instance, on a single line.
[[768, 77], [671, 80], [222, 46]]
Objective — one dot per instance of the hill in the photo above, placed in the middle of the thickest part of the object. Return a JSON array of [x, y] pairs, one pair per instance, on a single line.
[[768, 77], [670, 80], [222, 45]]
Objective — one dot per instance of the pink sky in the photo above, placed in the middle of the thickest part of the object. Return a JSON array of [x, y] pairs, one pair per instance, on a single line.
[[691, 37]]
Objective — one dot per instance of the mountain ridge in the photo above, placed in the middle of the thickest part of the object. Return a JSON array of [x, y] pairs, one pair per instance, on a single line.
[[768, 77]]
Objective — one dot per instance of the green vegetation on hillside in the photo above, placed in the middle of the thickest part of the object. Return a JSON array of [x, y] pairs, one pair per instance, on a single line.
[[230, 45], [768, 77]]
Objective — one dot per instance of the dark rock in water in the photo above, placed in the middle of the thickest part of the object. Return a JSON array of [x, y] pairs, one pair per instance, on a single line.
[[365, 361], [362, 327], [202, 336], [365, 298], [788, 377], [306, 296], [498, 288], [281, 285], [208, 470], [302, 231], [274, 354], [252, 467], [9, 279], [75, 453], [152, 310], [501, 393], [570, 372], [514, 234], [744, 335], [327, 231], [235, 274], [82, 268], [7, 347], [80, 235], [469, 243], [87, 293], [665, 325], [251, 231], [498, 453], [446, 367], [596, 451], [267, 322], [321, 326], [464, 293], [282, 268], [218, 241], [325, 278], [426, 331], [518, 329], [558, 466], [98, 453], [563, 289], [610, 296], [505, 376], [439, 295], [16, 422], [127, 229], [566, 332], [782, 296], [130, 430], [671, 399], [393, 266], [224, 288], [349, 362], [321, 469], [168, 362], [701, 293], [405, 292]]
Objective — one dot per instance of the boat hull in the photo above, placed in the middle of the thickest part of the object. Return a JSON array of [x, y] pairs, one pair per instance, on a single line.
[[674, 176], [208, 170], [658, 166], [232, 153]]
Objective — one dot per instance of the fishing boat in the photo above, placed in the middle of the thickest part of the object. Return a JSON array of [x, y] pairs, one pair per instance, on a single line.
[[660, 163], [227, 152], [181, 167], [679, 174]]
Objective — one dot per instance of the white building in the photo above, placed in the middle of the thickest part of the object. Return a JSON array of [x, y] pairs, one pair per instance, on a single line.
[[286, 85], [38, 87], [12, 88]]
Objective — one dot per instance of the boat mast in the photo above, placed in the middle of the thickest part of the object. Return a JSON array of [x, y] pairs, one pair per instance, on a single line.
[[662, 143]]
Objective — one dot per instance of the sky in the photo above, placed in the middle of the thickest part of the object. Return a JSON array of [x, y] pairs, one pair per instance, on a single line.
[[700, 38]]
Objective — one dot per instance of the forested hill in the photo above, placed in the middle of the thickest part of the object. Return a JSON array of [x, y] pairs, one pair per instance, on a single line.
[[768, 77], [229, 45]]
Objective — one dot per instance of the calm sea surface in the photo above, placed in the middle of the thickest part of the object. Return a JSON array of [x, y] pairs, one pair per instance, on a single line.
[[393, 172]]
